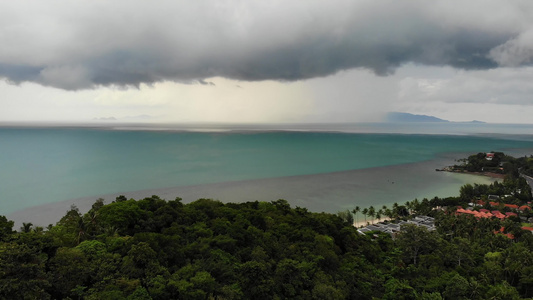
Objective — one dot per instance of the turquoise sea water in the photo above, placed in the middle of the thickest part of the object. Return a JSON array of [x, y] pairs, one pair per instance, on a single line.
[[44, 165]]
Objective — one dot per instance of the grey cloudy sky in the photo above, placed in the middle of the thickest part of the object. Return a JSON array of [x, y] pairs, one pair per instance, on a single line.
[[266, 61]]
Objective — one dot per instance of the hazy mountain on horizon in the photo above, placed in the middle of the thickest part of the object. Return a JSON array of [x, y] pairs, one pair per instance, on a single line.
[[399, 117], [407, 117]]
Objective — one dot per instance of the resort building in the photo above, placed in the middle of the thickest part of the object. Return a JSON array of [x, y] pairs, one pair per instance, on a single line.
[[393, 228]]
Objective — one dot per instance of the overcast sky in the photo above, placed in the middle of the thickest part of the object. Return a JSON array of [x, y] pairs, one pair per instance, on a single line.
[[266, 61]]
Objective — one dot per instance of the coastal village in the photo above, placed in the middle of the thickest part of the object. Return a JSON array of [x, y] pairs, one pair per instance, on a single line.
[[484, 207], [474, 209]]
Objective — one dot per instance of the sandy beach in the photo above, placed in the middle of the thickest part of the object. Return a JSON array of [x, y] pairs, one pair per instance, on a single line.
[[487, 174], [329, 192], [369, 221]]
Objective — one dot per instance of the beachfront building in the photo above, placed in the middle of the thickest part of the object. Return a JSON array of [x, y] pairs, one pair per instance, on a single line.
[[393, 228]]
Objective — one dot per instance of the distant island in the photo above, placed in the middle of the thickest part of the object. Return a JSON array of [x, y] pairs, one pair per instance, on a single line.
[[401, 117]]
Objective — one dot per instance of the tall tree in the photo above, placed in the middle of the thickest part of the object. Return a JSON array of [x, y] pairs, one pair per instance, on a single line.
[[416, 240], [26, 227], [355, 211], [379, 213], [396, 210], [372, 213], [6, 228]]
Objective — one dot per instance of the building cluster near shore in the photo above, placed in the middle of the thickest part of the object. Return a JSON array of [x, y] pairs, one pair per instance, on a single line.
[[486, 213], [393, 228]]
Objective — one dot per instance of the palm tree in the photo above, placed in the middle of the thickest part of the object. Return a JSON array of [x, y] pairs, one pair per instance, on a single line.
[[389, 213], [82, 231], [372, 213], [356, 210], [384, 210], [395, 210], [365, 213], [26, 227], [415, 205], [378, 214], [91, 220], [111, 230], [409, 206]]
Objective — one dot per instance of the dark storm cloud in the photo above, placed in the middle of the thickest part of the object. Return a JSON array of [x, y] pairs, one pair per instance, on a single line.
[[18, 73], [203, 82], [100, 43]]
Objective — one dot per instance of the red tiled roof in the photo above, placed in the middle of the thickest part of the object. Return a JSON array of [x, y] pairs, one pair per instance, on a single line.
[[527, 228], [498, 204], [502, 230], [484, 213], [498, 214]]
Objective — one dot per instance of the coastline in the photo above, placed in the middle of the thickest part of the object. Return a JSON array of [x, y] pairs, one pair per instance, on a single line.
[[326, 192], [486, 174]]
